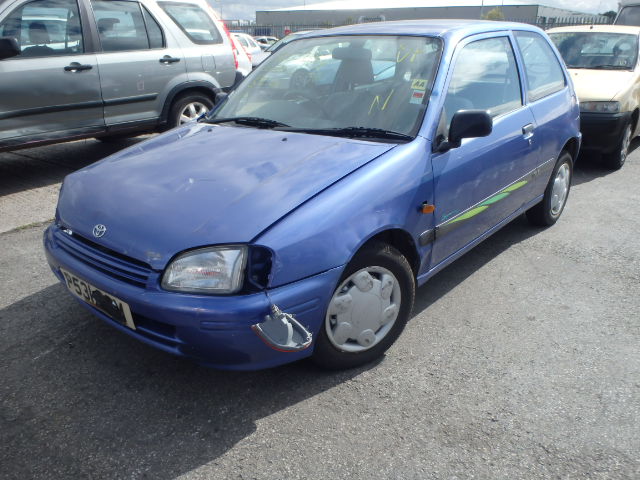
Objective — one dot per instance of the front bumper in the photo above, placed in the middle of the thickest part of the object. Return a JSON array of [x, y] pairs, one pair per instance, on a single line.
[[213, 330], [602, 131]]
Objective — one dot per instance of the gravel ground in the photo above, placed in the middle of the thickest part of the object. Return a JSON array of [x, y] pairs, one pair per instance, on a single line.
[[522, 360]]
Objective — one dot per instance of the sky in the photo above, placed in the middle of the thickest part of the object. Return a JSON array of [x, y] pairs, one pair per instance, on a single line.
[[246, 9]]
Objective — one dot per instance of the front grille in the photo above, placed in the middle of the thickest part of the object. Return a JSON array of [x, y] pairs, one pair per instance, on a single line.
[[114, 264]]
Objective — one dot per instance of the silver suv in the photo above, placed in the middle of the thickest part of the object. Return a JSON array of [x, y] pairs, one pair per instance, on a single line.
[[106, 68]]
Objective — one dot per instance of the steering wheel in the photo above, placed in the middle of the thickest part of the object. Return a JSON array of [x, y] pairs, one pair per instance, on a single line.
[[301, 80], [618, 47]]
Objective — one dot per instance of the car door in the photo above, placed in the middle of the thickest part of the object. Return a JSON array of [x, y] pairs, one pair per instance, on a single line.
[[52, 87], [484, 180], [202, 39], [548, 94], [139, 61]]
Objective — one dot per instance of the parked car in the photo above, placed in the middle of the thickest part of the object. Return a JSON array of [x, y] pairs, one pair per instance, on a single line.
[[286, 39], [628, 13], [251, 46], [603, 61], [280, 43], [283, 226], [242, 57], [119, 67], [265, 42]]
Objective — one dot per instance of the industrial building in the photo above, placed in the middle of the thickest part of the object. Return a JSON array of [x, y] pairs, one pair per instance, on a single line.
[[358, 11]]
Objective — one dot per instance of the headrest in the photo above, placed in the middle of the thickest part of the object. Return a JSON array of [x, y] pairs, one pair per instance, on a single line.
[[351, 53]]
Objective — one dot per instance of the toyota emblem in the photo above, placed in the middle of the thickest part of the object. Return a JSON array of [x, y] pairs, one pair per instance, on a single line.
[[99, 230]]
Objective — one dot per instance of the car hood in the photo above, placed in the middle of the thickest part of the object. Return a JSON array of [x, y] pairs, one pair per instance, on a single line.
[[202, 185], [604, 85]]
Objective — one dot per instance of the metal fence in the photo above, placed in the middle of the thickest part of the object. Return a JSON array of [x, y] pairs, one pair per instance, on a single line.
[[281, 30]]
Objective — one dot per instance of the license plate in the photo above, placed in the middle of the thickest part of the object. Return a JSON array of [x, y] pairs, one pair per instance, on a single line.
[[111, 306]]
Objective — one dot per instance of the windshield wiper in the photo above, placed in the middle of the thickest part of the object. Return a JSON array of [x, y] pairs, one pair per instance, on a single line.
[[354, 132], [250, 121], [610, 67]]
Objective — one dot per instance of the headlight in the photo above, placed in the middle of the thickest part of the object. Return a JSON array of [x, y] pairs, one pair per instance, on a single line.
[[214, 270], [600, 107]]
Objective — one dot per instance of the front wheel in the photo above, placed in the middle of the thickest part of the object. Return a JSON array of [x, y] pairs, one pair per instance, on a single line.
[[368, 309], [548, 211], [616, 159], [187, 108]]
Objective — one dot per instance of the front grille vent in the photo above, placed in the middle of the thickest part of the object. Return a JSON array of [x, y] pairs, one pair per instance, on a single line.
[[114, 264]]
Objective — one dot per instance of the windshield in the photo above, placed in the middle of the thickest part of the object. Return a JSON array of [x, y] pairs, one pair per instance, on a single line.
[[629, 16], [597, 50], [369, 82]]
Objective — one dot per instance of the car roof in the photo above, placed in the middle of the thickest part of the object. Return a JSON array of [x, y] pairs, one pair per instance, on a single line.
[[597, 28], [438, 28]]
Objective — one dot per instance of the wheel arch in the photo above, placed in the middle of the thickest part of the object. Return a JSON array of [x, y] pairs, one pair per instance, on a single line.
[[634, 120], [398, 238], [206, 88], [572, 147]]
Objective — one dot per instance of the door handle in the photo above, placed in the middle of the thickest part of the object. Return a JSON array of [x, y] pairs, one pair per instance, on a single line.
[[167, 60], [76, 67], [527, 131]]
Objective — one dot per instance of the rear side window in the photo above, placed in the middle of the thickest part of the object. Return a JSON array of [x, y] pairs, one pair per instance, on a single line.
[[484, 77], [544, 72], [45, 28], [243, 41], [156, 38], [194, 22]]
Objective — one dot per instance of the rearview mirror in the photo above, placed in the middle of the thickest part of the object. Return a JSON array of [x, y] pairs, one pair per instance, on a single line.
[[467, 124], [8, 48]]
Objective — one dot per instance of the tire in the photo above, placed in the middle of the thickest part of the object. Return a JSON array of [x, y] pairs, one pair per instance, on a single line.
[[355, 331], [188, 107], [548, 211], [615, 160]]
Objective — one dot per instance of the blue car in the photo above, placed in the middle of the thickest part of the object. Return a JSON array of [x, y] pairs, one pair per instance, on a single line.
[[298, 222]]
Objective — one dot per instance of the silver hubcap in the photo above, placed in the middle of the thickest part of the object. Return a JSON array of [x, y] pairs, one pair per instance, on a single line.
[[560, 189], [192, 111], [363, 309], [626, 141]]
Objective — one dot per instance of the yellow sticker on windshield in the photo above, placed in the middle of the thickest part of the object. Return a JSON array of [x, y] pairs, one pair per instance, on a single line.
[[419, 84]]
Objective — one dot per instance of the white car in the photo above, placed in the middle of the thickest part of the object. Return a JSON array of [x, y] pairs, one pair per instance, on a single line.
[[251, 46], [244, 61]]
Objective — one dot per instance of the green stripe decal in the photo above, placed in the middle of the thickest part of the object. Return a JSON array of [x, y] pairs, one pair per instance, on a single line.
[[471, 213], [501, 195], [495, 198], [516, 186]]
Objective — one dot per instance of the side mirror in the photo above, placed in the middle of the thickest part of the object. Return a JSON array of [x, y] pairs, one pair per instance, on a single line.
[[467, 124], [8, 48]]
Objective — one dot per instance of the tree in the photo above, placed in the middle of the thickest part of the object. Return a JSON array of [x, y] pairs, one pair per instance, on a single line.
[[494, 14]]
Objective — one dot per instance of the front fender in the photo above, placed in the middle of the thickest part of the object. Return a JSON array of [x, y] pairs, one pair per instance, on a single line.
[[327, 230]]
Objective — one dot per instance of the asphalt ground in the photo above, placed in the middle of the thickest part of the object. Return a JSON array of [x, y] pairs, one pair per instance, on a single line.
[[521, 361]]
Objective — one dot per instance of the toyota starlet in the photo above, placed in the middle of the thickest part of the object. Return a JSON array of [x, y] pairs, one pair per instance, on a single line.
[[296, 219]]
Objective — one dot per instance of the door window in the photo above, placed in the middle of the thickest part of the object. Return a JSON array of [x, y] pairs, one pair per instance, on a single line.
[[156, 38], [544, 72], [194, 22], [484, 77], [122, 26], [45, 28]]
